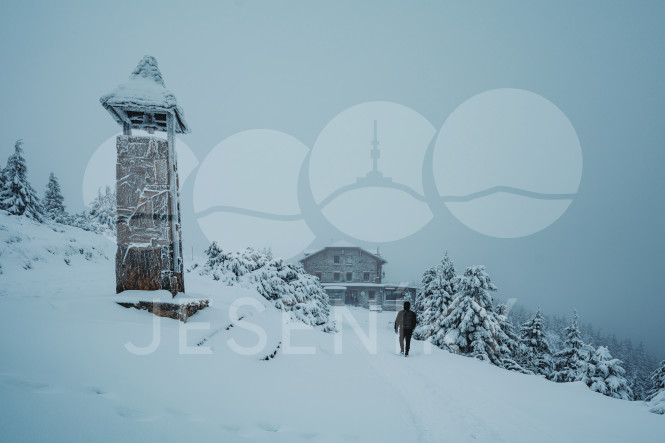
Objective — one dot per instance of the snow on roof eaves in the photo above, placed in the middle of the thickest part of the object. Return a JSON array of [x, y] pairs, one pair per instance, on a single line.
[[144, 91], [343, 244], [340, 245]]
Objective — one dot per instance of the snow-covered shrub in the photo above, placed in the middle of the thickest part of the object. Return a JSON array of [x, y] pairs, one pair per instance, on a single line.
[[82, 221], [657, 403], [288, 285], [604, 374], [103, 210]]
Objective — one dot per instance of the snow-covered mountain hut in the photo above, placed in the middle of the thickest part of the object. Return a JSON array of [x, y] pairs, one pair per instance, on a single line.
[[149, 254]]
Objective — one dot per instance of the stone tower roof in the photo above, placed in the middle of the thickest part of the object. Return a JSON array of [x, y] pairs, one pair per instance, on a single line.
[[144, 93]]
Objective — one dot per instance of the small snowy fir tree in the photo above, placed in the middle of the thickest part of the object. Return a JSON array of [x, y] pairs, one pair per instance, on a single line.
[[656, 394], [657, 382], [538, 354], [513, 361], [571, 361], [2, 182], [604, 374], [103, 210], [472, 327], [53, 202], [642, 372], [438, 288], [17, 195]]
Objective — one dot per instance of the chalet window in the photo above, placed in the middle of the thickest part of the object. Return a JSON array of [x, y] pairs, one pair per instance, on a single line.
[[336, 259], [372, 295], [336, 276], [349, 276], [365, 276], [318, 275]]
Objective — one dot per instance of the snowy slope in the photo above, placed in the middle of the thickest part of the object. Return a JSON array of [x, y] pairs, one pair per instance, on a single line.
[[67, 373]]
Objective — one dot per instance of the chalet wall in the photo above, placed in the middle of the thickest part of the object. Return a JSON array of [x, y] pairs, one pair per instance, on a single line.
[[353, 260]]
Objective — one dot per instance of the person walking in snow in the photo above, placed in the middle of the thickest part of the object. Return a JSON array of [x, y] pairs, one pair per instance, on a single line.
[[405, 323]]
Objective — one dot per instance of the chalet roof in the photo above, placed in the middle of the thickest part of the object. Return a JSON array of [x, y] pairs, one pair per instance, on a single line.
[[144, 92], [345, 245]]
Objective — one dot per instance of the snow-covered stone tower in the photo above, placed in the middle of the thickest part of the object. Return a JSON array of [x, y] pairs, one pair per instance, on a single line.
[[149, 254]]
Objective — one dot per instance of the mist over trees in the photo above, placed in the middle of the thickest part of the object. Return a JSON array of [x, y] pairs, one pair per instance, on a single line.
[[18, 197], [458, 313]]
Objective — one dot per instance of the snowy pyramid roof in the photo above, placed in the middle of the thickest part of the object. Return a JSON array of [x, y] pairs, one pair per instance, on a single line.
[[144, 92]]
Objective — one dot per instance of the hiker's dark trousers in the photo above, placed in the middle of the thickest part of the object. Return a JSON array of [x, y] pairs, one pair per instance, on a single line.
[[407, 335]]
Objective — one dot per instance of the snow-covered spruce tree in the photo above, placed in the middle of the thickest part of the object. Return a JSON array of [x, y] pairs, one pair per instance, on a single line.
[[422, 297], [424, 293], [2, 182], [642, 372], [657, 382], [513, 361], [656, 394], [103, 209], [17, 195], [53, 202], [472, 327], [231, 267], [538, 354], [604, 374], [570, 363], [438, 288]]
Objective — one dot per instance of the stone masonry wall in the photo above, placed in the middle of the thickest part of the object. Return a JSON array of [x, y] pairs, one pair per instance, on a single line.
[[144, 259]]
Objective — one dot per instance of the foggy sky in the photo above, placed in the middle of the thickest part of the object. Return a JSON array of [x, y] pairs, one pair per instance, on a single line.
[[293, 66]]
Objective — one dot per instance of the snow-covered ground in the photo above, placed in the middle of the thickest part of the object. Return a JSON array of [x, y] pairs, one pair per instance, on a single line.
[[76, 366]]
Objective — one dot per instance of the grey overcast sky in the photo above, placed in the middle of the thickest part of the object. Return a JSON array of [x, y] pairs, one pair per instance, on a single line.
[[293, 66]]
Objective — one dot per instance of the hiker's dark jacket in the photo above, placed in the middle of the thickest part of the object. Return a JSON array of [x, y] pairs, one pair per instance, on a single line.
[[405, 319]]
